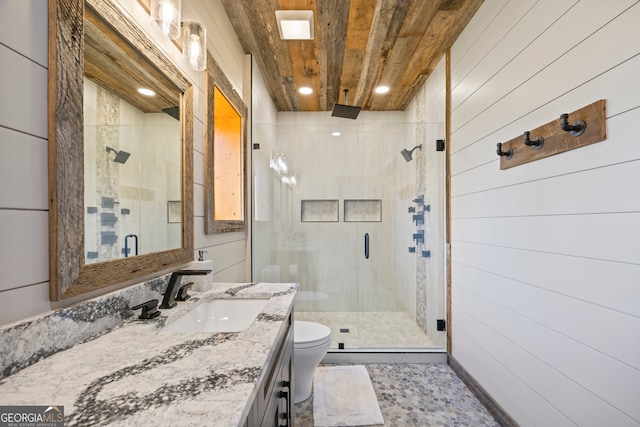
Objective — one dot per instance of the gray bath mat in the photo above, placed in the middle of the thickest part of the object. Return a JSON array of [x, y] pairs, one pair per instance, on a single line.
[[344, 396]]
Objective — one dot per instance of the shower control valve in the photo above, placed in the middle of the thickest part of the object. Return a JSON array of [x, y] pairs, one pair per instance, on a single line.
[[419, 218], [419, 236]]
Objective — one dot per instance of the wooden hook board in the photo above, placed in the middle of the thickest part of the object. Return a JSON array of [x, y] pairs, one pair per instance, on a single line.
[[557, 140]]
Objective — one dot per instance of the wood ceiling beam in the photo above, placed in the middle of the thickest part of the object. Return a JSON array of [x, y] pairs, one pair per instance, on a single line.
[[304, 59], [256, 22], [360, 20], [447, 24], [387, 21], [418, 19], [333, 20]]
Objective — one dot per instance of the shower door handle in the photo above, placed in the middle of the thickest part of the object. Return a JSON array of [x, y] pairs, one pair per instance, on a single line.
[[366, 245]]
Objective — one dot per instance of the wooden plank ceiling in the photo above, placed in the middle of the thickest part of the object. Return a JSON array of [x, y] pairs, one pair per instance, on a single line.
[[358, 45]]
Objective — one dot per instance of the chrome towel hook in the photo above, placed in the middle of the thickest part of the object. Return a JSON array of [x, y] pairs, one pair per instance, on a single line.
[[507, 154], [536, 143], [576, 128]]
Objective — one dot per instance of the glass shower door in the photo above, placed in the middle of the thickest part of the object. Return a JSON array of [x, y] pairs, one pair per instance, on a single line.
[[331, 213]]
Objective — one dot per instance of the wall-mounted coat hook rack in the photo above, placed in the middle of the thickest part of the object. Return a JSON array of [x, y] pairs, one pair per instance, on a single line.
[[535, 143], [558, 136], [577, 128], [506, 154]]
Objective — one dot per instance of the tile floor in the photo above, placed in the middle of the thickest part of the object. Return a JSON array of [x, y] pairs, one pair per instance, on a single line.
[[386, 329], [416, 395]]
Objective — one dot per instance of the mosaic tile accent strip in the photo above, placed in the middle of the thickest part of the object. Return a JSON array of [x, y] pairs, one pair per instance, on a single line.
[[416, 395]]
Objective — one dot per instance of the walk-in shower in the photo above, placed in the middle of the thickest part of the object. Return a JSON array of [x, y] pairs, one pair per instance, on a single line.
[[343, 227]]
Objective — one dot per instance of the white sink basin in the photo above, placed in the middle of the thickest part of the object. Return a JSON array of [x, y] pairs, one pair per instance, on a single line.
[[219, 315]]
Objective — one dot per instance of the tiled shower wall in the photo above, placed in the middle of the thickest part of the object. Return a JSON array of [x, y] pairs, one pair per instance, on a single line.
[[428, 110]]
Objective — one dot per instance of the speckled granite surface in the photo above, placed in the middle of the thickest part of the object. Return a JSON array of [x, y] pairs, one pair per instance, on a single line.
[[26, 342], [416, 395], [137, 374]]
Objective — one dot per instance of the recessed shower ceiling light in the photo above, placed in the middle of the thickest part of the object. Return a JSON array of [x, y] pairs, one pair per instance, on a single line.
[[146, 92], [336, 133], [305, 90], [295, 24], [382, 89]]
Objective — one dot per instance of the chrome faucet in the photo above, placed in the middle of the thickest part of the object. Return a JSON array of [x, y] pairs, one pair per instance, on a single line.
[[169, 300]]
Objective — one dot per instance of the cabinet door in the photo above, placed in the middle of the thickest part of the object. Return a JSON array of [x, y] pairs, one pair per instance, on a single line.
[[286, 384]]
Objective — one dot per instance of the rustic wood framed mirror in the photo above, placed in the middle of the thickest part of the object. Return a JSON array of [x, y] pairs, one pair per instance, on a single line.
[[77, 30], [225, 155]]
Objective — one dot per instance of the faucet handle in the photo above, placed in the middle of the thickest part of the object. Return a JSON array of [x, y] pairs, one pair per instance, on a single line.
[[182, 292], [149, 309]]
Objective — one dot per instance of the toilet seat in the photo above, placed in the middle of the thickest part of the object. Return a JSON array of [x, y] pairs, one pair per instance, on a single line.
[[310, 334]]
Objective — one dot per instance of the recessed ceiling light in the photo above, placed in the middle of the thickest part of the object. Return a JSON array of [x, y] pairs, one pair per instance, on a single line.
[[336, 133], [146, 92], [295, 24], [305, 90], [382, 89]]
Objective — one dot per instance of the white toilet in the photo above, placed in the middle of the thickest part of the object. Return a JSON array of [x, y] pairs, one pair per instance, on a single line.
[[311, 341]]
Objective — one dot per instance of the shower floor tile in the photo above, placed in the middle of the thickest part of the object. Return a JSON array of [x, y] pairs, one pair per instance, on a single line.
[[386, 329], [416, 395]]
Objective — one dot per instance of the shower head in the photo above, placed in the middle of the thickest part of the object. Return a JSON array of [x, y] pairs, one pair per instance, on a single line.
[[345, 111], [121, 156], [407, 154]]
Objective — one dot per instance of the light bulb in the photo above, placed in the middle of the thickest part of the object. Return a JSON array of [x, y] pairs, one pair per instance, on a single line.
[[166, 15], [194, 49]]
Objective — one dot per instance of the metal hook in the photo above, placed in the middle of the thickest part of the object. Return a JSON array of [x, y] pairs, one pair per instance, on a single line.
[[507, 154], [536, 143], [577, 128]]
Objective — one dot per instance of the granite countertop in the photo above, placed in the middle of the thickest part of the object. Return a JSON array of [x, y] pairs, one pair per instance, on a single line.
[[138, 374]]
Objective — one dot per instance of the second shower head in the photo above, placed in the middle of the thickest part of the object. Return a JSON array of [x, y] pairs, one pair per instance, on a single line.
[[407, 154], [121, 156]]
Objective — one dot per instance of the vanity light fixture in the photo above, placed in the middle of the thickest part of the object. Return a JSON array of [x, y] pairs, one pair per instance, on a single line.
[[381, 89], [194, 45], [305, 90], [295, 24], [166, 15], [146, 92]]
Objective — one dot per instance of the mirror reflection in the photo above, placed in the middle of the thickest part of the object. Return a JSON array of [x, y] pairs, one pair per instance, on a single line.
[[225, 155], [132, 150], [227, 146]]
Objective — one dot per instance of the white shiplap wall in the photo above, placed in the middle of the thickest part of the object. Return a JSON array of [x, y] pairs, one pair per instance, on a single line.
[[24, 258], [546, 256]]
